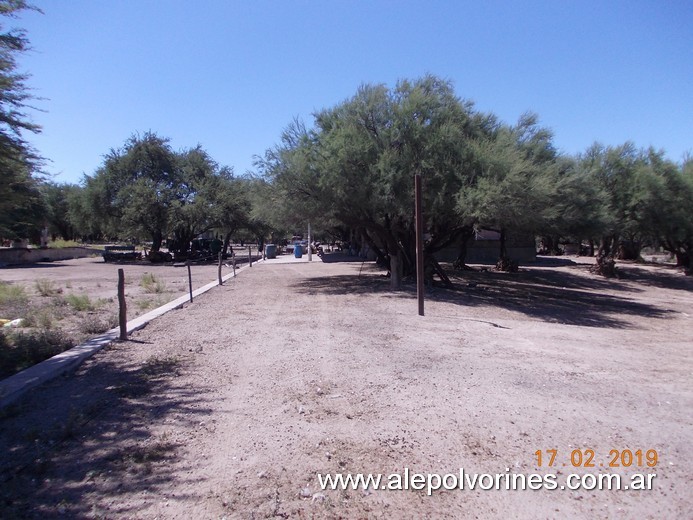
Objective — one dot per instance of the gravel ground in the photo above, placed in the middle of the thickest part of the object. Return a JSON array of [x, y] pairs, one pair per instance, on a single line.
[[231, 406]]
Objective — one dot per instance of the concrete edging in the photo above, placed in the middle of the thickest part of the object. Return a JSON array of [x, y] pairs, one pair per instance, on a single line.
[[13, 387]]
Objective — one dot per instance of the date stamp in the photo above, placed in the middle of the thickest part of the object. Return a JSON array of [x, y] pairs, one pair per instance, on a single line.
[[587, 458]]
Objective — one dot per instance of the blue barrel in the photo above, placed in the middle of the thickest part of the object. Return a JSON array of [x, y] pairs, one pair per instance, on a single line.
[[270, 251], [298, 251]]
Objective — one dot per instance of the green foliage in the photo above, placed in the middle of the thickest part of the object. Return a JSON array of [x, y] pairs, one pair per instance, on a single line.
[[514, 186], [60, 244], [147, 191], [21, 206], [57, 199], [80, 302], [357, 167]]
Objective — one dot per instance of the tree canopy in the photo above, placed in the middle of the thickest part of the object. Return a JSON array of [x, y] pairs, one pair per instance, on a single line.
[[21, 206]]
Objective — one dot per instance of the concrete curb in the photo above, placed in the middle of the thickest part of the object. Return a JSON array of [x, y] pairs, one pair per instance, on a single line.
[[17, 385]]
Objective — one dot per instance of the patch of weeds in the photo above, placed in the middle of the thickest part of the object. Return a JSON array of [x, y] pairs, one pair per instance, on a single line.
[[46, 287], [158, 366], [93, 324], [80, 302], [150, 303], [40, 317], [151, 284], [14, 301], [20, 350], [60, 244], [156, 452]]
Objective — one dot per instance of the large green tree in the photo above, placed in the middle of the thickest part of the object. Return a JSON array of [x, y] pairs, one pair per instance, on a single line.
[[515, 181], [21, 208], [58, 199], [662, 204], [357, 166], [147, 191], [132, 194]]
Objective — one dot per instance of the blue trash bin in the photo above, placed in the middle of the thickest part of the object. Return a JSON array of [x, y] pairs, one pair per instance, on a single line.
[[271, 251], [298, 251]]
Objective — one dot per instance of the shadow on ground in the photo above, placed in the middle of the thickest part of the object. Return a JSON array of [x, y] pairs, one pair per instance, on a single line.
[[89, 434], [331, 258], [664, 277], [545, 294]]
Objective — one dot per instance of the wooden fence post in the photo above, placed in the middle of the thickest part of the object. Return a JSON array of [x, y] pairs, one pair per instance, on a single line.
[[219, 270], [122, 308], [187, 262], [250, 256]]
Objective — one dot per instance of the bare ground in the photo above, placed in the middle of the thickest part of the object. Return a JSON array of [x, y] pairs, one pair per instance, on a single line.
[[231, 406]]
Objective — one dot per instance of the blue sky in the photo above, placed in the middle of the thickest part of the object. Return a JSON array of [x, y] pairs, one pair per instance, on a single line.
[[231, 75]]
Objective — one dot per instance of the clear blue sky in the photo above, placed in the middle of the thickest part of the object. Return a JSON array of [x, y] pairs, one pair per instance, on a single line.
[[230, 75]]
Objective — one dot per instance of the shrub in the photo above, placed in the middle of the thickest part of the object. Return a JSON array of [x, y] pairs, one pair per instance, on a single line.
[[151, 284], [94, 325], [21, 350], [59, 244], [79, 302], [46, 287], [14, 302], [41, 317]]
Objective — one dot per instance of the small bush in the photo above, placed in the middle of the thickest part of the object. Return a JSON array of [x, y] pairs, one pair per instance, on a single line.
[[41, 317], [10, 294], [46, 287], [14, 302], [22, 350], [149, 303], [151, 284], [95, 325], [79, 302]]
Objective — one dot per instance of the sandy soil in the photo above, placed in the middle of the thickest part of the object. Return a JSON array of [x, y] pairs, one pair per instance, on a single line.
[[231, 406]]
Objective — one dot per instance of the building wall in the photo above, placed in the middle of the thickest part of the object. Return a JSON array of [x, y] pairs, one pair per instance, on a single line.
[[23, 255]]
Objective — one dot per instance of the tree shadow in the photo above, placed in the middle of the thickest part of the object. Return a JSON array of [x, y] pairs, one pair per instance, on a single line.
[[331, 258], [664, 277], [551, 296], [42, 265], [89, 434]]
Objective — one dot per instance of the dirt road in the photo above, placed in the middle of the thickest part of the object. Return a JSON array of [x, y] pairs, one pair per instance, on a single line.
[[231, 406]]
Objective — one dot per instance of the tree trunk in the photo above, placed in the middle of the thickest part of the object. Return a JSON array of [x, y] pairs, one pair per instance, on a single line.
[[461, 261], [156, 240], [629, 250], [683, 259], [227, 240], [605, 265], [381, 258], [395, 270], [503, 248]]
